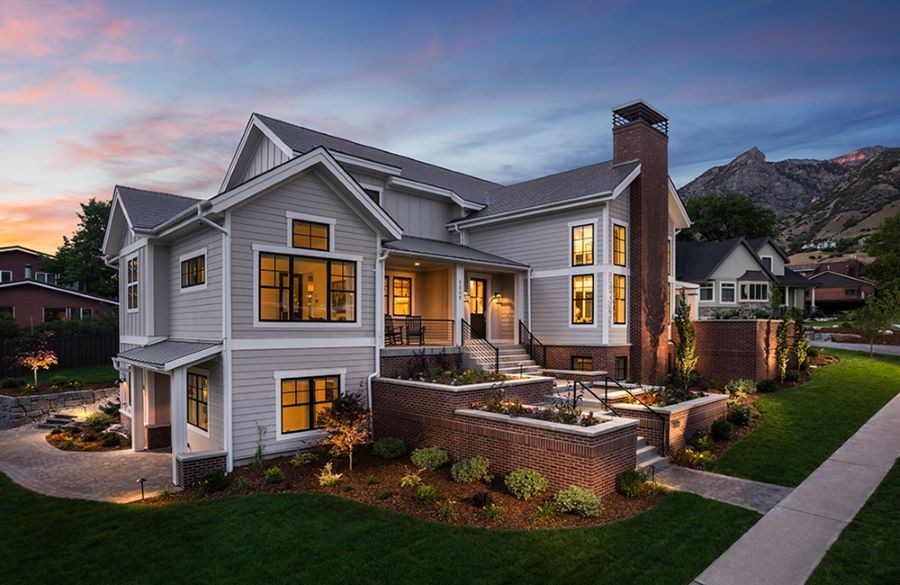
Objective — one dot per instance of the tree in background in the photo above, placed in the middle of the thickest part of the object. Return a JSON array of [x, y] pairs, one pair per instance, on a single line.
[[686, 348], [877, 315], [721, 217], [884, 245], [78, 261]]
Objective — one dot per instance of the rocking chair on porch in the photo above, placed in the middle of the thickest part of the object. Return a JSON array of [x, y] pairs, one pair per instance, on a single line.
[[414, 328], [391, 336]]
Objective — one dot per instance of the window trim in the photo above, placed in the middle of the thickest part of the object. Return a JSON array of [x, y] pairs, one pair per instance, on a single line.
[[46, 278], [190, 256], [753, 283], [712, 287], [594, 320], [281, 375], [204, 373], [9, 272], [268, 249], [592, 222], [612, 312], [771, 266], [137, 283], [612, 247], [329, 221], [734, 287]]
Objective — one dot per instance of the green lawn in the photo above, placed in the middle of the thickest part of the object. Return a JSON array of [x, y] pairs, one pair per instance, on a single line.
[[805, 425], [303, 538], [87, 374], [866, 552]]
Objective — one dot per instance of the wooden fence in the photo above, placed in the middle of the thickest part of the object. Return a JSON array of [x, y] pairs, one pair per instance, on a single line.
[[72, 351]]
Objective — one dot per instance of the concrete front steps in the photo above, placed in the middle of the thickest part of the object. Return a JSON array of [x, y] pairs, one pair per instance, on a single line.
[[514, 360], [648, 457]]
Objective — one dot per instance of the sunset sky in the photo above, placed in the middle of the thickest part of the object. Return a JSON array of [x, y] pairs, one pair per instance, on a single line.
[[156, 94]]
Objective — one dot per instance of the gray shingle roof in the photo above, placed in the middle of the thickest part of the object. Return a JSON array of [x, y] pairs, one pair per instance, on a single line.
[[148, 209], [440, 249], [165, 352], [836, 280], [757, 243], [754, 275], [302, 140], [695, 261], [793, 278], [581, 182]]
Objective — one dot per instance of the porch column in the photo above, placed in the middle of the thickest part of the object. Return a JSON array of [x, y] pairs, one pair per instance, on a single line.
[[137, 384], [812, 293], [178, 392], [459, 309]]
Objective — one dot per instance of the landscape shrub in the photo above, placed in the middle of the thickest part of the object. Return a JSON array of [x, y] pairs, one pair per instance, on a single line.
[[328, 477], [740, 415], [631, 483], [813, 352], [99, 421], [302, 458], [429, 457], [74, 384], [768, 386], [67, 444], [721, 430], [389, 447], [213, 481], [692, 458], [426, 493], [740, 388], [274, 475], [28, 389], [241, 485], [385, 494], [57, 381], [481, 499], [579, 501], [791, 376], [447, 509], [111, 440], [491, 512], [11, 382], [410, 480], [545, 511], [702, 441], [526, 483], [471, 470], [55, 431]]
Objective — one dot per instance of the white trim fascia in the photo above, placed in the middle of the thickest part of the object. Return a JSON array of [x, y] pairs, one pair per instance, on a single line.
[[301, 343], [58, 289], [148, 295], [227, 342], [253, 122], [130, 248], [280, 375], [190, 256], [417, 187], [571, 271], [116, 201], [722, 284], [454, 260], [620, 188], [365, 164], [140, 339], [292, 215], [594, 323], [519, 214], [679, 205], [275, 249]]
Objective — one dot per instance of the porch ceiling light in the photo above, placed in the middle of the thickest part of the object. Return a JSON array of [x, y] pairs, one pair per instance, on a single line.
[[417, 263]]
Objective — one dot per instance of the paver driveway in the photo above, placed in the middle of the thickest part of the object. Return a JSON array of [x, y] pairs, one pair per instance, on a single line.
[[27, 458]]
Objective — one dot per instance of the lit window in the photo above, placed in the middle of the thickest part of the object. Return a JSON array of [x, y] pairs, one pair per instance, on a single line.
[[198, 401], [707, 292], [193, 271], [582, 364], [303, 399], [583, 245], [583, 299], [726, 292], [297, 288], [402, 295], [619, 309], [619, 245], [131, 280], [310, 235], [754, 291]]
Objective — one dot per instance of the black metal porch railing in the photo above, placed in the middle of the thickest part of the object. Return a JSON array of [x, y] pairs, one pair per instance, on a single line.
[[536, 349], [435, 332], [479, 347]]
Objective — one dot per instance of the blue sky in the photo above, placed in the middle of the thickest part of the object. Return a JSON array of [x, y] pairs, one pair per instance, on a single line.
[[156, 94]]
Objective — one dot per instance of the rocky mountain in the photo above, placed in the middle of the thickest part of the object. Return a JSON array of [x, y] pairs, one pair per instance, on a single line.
[[785, 186]]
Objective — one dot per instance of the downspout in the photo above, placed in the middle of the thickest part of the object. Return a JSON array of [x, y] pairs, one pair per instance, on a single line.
[[379, 320], [529, 297], [226, 339]]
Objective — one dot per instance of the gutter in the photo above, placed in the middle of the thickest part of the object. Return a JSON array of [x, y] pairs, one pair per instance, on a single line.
[[379, 321]]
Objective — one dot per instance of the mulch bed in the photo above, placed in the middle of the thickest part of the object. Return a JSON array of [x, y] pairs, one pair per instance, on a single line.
[[83, 441], [376, 482]]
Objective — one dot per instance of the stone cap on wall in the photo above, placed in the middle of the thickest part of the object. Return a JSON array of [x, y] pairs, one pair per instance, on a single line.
[[686, 405], [466, 387], [611, 425], [200, 455]]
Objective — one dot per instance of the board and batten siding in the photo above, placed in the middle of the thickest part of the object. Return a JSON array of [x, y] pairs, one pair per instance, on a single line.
[[254, 392], [133, 323], [263, 221], [419, 216], [196, 312], [265, 155]]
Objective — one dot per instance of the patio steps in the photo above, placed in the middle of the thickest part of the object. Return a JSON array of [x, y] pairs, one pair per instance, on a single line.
[[56, 420], [648, 457], [514, 360]]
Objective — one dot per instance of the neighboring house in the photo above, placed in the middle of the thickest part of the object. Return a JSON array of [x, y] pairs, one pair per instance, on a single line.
[[31, 296], [244, 315], [836, 292], [735, 277], [850, 267]]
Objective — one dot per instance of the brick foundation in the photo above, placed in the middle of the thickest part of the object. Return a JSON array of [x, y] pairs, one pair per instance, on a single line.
[[559, 357], [158, 436], [676, 423], [193, 466]]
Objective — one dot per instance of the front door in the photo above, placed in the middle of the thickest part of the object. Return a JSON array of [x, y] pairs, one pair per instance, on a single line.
[[477, 304]]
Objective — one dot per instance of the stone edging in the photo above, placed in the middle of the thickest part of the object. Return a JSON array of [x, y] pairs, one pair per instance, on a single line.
[[465, 387], [686, 405], [22, 410]]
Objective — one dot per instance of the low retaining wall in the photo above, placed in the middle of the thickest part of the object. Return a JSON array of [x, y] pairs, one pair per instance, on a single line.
[[193, 466], [732, 349], [677, 423], [436, 415], [21, 410]]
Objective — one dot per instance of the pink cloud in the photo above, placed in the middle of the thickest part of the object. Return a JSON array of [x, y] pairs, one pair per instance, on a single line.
[[67, 86]]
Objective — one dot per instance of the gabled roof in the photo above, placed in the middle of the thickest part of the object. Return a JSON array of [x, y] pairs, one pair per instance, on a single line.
[[148, 209], [302, 140], [836, 279], [794, 278], [22, 249], [60, 289], [696, 261], [445, 250], [757, 243], [754, 275]]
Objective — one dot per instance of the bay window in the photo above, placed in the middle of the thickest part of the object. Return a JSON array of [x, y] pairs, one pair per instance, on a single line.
[[583, 245], [619, 302], [754, 291], [583, 299]]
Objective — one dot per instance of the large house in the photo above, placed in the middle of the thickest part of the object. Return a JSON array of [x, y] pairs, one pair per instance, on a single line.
[[245, 314]]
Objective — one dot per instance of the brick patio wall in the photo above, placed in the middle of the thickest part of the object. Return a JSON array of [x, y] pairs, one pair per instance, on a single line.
[[22, 410], [676, 424], [559, 357], [193, 466], [428, 415], [158, 436], [732, 349]]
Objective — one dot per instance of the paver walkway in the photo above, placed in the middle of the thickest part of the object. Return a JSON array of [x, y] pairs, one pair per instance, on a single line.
[[789, 542], [753, 495], [27, 458], [864, 347]]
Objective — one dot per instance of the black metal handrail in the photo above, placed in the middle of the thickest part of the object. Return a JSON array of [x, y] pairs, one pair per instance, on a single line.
[[536, 349], [479, 346]]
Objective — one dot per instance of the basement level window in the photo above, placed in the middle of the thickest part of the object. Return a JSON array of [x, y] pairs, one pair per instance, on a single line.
[[622, 368], [582, 364]]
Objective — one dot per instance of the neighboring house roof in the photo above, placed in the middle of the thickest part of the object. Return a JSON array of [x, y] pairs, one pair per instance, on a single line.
[[757, 243], [21, 249], [793, 278], [170, 354], [696, 261], [58, 289], [302, 140], [835, 280], [439, 249], [148, 209], [595, 179]]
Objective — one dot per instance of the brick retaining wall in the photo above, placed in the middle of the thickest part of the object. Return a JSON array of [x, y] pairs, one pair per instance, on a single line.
[[193, 466], [21, 410], [732, 349], [679, 422], [559, 357]]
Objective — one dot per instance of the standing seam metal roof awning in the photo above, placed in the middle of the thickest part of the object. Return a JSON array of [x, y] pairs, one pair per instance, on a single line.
[[170, 354]]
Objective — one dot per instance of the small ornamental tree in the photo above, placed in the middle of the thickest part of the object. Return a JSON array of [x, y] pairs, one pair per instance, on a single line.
[[782, 349], [876, 315], [801, 341], [686, 348], [34, 355], [347, 423]]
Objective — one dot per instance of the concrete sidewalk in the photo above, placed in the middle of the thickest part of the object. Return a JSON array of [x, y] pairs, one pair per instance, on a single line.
[[753, 495], [861, 347], [789, 542]]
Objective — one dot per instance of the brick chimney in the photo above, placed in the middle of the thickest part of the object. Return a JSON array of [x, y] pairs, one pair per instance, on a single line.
[[640, 132]]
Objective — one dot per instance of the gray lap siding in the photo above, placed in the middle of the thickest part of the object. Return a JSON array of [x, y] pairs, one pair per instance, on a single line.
[[196, 312]]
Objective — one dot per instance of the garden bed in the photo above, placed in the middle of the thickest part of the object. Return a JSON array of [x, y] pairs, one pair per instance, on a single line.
[[669, 428], [376, 482], [98, 432]]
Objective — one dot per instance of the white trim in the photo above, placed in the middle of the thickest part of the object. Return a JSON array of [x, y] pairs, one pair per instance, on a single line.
[[754, 282], [58, 289], [293, 215], [679, 207], [734, 286], [771, 267], [372, 187], [593, 324], [423, 188], [301, 343], [132, 247], [862, 280], [253, 122], [626, 182], [593, 222], [701, 286], [365, 164], [280, 375], [190, 256], [193, 428], [605, 305], [597, 269], [137, 283], [357, 299], [140, 339], [227, 343]]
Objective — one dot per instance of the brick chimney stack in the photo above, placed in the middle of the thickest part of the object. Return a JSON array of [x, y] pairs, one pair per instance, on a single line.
[[640, 132]]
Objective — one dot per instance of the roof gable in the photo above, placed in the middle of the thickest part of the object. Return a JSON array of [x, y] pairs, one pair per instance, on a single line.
[[698, 261], [58, 289]]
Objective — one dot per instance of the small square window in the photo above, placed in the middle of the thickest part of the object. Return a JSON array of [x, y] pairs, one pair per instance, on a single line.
[[582, 364], [311, 235]]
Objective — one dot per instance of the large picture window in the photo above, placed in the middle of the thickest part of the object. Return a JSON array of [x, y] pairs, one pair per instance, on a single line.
[[583, 299], [402, 296], [583, 245], [198, 401], [310, 235], [131, 283], [752, 291], [193, 271], [619, 245], [303, 399], [619, 308], [297, 288]]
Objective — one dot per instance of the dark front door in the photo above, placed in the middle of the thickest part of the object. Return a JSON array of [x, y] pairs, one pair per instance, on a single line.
[[477, 304]]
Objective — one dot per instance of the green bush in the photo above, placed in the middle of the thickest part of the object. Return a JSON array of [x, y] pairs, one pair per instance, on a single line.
[[426, 493], [578, 500], [471, 470], [702, 441], [792, 376], [67, 444], [429, 457], [545, 511], [389, 447], [28, 389], [99, 421], [11, 382], [491, 512], [213, 481], [111, 440], [447, 510], [241, 485], [768, 386], [721, 430], [55, 431], [813, 352], [692, 458], [385, 494], [74, 384], [526, 483], [57, 381], [303, 458], [631, 483], [740, 388], [274, 475], [740, 415]]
